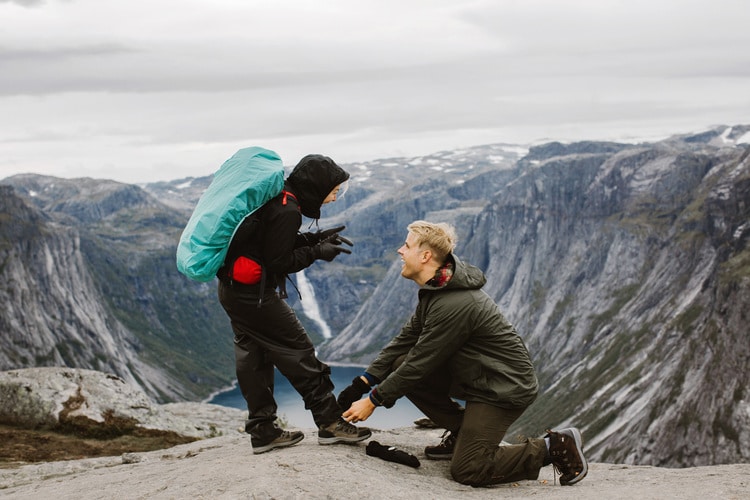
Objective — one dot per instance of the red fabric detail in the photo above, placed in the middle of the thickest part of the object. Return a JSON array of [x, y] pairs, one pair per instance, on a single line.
[[246, 271], [442, 276], [287, 193]]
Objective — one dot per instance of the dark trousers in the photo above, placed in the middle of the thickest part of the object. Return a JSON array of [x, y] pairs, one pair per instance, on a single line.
[[268, 336], [478, 460]]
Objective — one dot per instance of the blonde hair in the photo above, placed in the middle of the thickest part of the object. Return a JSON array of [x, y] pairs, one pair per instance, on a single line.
[[439, 237]]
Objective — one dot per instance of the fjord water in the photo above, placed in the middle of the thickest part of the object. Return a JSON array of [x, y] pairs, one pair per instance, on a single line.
[[292, 408]]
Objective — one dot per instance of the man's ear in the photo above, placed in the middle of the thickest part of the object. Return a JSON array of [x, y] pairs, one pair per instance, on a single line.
[[426, 256]]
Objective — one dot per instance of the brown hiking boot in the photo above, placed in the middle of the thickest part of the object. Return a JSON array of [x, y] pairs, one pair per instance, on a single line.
[[566, 454], [443, 451], [342, 431], [286, 438]]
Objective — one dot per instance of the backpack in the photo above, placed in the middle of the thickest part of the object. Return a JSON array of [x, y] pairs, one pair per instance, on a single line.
[[243, 262], [243, 184]]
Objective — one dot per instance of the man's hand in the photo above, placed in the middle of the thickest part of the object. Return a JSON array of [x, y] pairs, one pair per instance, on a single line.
[[359, 411]]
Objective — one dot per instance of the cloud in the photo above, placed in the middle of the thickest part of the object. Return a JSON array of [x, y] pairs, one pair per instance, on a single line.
[[24, 3], [167, 88]]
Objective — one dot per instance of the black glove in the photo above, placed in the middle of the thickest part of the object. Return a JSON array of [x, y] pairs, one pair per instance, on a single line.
[[337, 239], [318, 236], [353, 393], [391, 454], [331, 247]]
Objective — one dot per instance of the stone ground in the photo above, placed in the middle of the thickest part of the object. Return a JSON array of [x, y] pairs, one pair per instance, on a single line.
[[225, 468]]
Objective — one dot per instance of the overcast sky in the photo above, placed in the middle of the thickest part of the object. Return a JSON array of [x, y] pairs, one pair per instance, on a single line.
[[145, 90]]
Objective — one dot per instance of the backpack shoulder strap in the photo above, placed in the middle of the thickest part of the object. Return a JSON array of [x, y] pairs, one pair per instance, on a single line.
[[285, 195]]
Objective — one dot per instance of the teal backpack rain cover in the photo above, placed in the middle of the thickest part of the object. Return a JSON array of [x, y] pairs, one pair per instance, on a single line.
[[243, 184]]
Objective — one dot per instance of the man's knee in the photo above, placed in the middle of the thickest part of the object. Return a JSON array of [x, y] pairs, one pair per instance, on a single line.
[[474, 472]]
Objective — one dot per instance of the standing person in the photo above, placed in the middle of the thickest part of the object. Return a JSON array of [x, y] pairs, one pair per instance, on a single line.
[[458, 344], [265, 249]]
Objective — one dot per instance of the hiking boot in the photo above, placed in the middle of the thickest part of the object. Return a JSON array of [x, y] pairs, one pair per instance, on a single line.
[[566, 454], [342, 431], [425, 423], [443, 451], [286, 438]]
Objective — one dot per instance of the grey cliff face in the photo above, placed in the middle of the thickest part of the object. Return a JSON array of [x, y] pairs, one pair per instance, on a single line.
[[613, 276], [90, 283], [53, 314]]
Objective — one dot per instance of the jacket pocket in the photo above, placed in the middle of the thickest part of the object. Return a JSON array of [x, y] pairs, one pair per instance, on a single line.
[[246, 271]]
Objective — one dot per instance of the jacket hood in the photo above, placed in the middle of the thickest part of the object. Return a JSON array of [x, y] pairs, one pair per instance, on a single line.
[[312, 180], [465, 276]]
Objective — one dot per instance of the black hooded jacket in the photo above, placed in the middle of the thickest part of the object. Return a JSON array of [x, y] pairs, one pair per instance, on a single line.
[[271, 235]]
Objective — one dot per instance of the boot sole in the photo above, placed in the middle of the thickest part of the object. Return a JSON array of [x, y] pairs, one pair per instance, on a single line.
[[273, 446], [339, 439], [578, 439]]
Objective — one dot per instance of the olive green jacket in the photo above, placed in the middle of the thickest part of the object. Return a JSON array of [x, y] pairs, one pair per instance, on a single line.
[[459, 328]]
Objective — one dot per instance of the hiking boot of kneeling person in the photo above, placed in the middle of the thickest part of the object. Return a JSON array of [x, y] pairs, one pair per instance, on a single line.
[[444, 450], [342, 431], [566, 455]]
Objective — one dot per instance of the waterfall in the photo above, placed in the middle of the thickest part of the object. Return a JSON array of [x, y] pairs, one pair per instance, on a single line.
[[310, 305]]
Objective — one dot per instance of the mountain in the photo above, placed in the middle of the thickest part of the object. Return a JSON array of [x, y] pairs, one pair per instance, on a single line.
[[91, 280], [91, 283], [624, 267], [384, 196], [626, 270]]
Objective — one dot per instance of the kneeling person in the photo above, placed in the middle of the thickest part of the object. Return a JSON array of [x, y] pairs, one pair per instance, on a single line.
[[458, 344]]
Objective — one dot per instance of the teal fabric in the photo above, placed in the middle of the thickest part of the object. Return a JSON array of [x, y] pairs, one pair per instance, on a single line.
[[242, 185]]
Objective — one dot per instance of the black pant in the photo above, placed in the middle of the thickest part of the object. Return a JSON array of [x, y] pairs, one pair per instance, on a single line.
[[268, 336]]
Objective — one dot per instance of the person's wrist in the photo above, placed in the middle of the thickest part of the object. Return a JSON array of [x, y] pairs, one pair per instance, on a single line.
[[371, 379], [374, 399], [361, 385]]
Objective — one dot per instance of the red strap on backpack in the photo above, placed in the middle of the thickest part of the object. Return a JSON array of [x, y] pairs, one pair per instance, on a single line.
[[287, 193]]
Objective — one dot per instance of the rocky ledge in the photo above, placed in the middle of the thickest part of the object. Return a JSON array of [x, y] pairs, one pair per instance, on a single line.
[[93, 404]]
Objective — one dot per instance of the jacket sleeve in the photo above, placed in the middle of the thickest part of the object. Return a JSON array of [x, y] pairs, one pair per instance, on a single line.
[[382, 366], [280, 251], [446, 326], [302, 240]]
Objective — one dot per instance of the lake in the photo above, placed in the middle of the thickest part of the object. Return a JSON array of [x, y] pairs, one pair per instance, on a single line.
[[292, 408]]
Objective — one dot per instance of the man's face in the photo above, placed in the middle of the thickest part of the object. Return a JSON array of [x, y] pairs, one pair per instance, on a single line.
[[412, 257]]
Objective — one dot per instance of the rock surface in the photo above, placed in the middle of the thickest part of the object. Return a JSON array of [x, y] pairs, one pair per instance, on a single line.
[[93, 403], [225, 468]]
